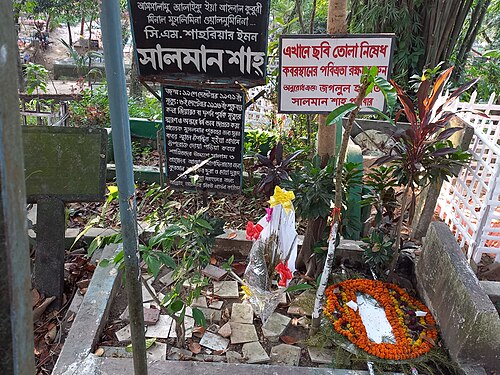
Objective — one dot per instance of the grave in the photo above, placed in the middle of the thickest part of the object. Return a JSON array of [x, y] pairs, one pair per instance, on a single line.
[[61, 165], [468, 320]]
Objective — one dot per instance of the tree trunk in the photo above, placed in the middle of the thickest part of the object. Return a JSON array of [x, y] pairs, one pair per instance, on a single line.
[[135, 88], [70, 37], [180, 332], [298, 5], [337, 24], [474, 26], [82, 26], [313, 16], [47, 23], [396, 247]]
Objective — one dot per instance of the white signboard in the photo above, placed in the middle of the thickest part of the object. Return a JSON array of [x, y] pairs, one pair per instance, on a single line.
[[321, 72]]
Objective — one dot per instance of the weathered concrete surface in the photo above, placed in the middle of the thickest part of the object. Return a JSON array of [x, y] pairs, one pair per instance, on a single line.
[[469, 323], [90, 319], [49, 256], [66, 163], [118, 366], [492, 289]]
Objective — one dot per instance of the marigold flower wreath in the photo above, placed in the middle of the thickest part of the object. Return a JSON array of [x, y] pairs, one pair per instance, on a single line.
[[414, 334]]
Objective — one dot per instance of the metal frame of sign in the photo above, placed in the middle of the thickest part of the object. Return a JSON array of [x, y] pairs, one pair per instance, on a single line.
[[191, 48], [242, 126], [327, 36]]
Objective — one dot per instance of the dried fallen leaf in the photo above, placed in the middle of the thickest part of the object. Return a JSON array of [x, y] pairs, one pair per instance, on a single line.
[[219, 352], [295, 321], [35, 296], [83, 283], [99, 352], [50, 335], [195, 347], [37, 313], [239, 268], [213, 261], [198, 332], [288, 340], [232, 235]]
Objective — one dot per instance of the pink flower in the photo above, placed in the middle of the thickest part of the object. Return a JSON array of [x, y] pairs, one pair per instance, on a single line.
[[269, 213], [253, 231], [284, 272]]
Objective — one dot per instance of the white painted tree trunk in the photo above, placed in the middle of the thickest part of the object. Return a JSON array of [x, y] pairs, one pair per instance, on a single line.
[[320, 293]]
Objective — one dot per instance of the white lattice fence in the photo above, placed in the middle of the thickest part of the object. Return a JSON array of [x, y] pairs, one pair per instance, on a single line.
[[259, 114], [470, 203]]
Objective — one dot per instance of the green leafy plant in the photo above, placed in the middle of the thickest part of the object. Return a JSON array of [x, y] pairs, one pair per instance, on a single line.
[[258, 141], [185, 247], [381, 196], [423, 153], [313, 187], [92, 108], [487, 68], [36, 78], [377, 251], [182, 244], [276, 168], [83, 62], [147, 107]]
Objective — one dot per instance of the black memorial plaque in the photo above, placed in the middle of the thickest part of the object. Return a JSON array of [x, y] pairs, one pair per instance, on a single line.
[[201, 125], [201, 40]]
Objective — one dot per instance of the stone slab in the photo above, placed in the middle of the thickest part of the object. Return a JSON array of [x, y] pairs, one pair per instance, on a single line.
[[146, 296], [162, 329], [468, 321], [151, 316], [114, 366], [49, 255], [216, 305], [233, 357], [167, 279], [92, 316], [210, 358], [226, 289], [214, 272], [176, 354], [211, 315], [242, 333], [157, 352], [79, 152], [116, 352], [200, 302], [285, 354], [124, 334], [253, 352], [225, 330], [242, 313], [275, 326], [492, 289], [321, 355], [472, 370], [213, 341]]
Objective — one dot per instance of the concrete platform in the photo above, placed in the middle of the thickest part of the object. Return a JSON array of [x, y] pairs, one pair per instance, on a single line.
[[116, 366], [468, 321]]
